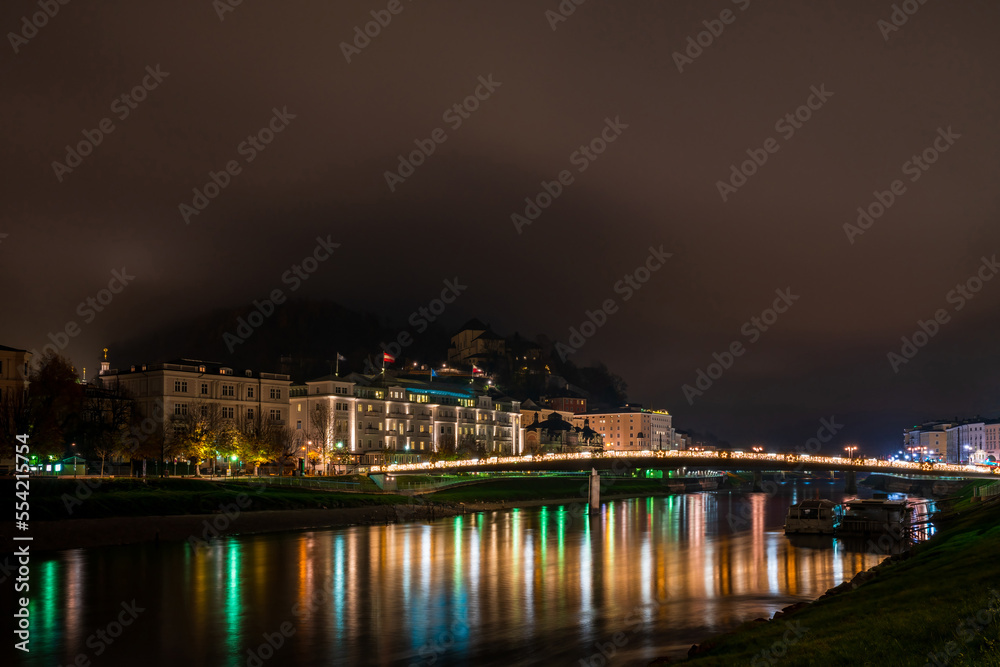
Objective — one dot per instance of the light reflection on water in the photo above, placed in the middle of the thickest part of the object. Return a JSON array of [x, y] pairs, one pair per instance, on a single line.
[[522, 586]]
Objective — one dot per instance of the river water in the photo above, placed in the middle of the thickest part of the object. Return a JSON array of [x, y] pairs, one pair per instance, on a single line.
[[540, 586]]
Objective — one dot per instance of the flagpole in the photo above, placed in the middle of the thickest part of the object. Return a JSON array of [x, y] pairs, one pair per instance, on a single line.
[[337, 373]]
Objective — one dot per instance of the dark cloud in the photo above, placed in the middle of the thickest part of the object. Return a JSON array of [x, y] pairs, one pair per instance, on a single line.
[[324, 175]]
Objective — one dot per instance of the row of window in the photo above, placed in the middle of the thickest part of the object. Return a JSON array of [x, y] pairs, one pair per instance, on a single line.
[[181, 387], [228, 412]]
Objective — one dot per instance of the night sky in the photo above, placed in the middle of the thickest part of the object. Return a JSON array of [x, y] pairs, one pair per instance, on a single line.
[[886, 95]]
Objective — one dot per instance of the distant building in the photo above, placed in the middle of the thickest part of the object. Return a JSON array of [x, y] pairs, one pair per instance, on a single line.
[[381, 420], [971, 442], [13, 370], [632, 428], [991, 440], [929, 441], [475, 343], [575, 404]]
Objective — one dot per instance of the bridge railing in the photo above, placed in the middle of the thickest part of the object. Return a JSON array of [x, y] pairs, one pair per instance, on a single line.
[[836, 462]]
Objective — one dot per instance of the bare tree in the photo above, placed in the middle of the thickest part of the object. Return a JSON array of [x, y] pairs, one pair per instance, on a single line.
[[111, 415], [323, 431]]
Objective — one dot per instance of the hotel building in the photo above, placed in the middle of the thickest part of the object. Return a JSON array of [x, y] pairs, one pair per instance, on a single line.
[[397, 420]]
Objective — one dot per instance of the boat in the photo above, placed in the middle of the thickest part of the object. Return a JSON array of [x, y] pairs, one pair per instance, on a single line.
[[876, 515], [818, 517]]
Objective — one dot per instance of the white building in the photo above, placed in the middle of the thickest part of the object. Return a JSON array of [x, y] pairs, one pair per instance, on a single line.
[[972, 442], [397, 420]]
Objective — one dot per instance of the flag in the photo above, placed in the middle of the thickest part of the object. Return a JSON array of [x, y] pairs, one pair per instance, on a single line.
[[433, 374], [388, 358], [341, 357], [476, 369]]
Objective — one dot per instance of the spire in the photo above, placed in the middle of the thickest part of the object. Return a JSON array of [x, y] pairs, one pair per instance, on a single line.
[[105, 366]]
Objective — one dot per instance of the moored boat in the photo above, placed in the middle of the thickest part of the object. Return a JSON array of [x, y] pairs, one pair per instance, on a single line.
[[817, 516], [875, 515]]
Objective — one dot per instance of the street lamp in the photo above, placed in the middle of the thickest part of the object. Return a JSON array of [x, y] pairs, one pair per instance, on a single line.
[[850, 449]]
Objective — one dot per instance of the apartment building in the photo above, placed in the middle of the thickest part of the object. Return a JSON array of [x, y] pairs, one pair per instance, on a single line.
[[633, 428], [182, 386]]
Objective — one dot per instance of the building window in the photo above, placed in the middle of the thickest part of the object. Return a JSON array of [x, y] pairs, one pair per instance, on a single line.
[[275, 393], [249, 413], [204, 388], [249, 392], [228, 390], [204, 411], [180, 409], [299, 407], [298, 425], [276, 414], [181, 386], [228, 413]]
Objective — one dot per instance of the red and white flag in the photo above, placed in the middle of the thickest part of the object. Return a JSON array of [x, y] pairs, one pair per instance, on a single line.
[[476, 369], [388, 358]]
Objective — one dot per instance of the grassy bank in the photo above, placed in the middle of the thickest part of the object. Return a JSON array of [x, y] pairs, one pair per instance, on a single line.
[[56, 499], [545, 488], [938, 605]]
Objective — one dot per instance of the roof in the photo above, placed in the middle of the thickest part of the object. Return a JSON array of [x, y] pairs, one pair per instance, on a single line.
[[473, 325], [488, 335], [4, 348]]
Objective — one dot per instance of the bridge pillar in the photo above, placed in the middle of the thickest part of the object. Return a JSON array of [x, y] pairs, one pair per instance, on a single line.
[[850, 482], [758, 480], [594, 495]]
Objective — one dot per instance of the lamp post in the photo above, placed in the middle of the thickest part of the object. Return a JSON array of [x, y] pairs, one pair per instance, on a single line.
[[850, 449]]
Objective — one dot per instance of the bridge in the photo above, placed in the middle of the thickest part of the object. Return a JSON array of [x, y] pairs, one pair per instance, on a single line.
[[621, 461]]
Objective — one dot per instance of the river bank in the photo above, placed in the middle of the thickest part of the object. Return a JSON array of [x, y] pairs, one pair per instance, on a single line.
[[936, 604]]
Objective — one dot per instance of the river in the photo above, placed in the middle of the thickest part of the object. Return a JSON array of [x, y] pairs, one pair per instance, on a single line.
[[540, 586]]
